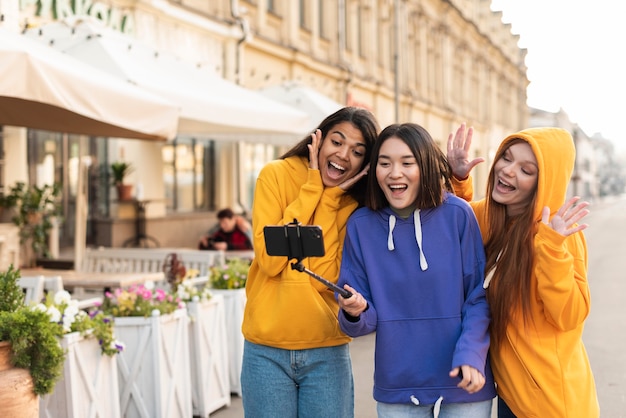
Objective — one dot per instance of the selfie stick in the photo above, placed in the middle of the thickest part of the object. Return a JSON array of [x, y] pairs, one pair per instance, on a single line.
[[300, 267]]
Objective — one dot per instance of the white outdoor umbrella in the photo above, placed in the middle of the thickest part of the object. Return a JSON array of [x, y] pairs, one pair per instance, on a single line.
[[210, 105], [42, 88], [301, 97]]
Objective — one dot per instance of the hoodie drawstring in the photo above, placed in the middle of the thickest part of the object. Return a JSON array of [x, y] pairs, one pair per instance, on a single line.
[[392, 225], [418, 236], [491, 272], [416, 401]]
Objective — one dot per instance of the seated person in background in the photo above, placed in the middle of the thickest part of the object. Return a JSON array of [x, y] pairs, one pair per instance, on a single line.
[[232, 233]]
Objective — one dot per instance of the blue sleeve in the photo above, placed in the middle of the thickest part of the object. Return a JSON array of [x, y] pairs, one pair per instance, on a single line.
[[353, 273], [473, 343]]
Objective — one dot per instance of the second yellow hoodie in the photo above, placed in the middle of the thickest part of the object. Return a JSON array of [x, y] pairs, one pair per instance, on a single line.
[[542, 368]]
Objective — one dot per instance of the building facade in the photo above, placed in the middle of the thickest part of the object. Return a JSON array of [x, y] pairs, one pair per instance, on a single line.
[[434, 62]]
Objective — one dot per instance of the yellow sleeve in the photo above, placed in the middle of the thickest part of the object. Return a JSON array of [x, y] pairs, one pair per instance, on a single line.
[[463, 188], [561, 270]]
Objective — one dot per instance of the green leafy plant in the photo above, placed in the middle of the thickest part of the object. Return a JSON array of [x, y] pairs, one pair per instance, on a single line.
[[232, 275], [35, 208], [119, 171], [63, 310], [33, 337], [139, 300]]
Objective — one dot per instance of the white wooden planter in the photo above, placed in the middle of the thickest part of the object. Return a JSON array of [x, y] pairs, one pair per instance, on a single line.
[[153, 370], [208, 348], [88, 386], [234, 304]]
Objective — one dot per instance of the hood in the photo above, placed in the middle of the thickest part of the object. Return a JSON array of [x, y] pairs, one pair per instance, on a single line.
[[555, 153]]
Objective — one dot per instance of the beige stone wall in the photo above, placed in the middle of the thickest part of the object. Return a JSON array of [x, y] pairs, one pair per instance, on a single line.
[[457, 62]]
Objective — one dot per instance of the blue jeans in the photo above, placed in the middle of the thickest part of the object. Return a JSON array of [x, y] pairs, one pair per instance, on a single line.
[[312, 383], [480, 409]]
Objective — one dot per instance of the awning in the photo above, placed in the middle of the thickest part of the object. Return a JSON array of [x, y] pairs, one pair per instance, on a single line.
[[42, 88], [306, 99], [210, 105]]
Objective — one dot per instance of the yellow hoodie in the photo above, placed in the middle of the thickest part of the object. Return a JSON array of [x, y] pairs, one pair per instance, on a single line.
[[542, 370], [286, 308]]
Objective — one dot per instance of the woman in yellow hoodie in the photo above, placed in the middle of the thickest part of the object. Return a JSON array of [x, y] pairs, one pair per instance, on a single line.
[[296, 360], [536, 272]]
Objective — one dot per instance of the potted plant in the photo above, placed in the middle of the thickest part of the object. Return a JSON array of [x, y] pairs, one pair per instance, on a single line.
[[89, 382], [154, 366], [119, 171], [208, 347], [229, 280], [232, 275], [35, 209], [32, 359]]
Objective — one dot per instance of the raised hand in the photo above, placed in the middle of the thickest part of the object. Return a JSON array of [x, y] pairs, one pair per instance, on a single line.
[[566, 217], [352, 181], [458, 152], [314, 147]]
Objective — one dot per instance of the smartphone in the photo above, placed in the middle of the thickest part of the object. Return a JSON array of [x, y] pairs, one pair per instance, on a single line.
[[294, 241]]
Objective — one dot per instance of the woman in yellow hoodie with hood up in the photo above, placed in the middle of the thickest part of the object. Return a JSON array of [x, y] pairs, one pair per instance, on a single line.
[[536, 272]]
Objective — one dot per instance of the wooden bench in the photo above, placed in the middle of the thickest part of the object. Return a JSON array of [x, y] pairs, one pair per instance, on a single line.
[[142, 260]]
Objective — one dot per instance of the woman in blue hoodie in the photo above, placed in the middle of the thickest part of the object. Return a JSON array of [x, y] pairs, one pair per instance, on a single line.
[[413, 259]]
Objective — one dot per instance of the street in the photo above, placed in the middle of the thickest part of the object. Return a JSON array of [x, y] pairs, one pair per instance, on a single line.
[[605, 335], [605, 330]]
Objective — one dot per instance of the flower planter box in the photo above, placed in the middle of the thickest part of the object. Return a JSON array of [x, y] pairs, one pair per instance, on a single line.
[[234, 304], [153, 370], [208, 348], [88, 387]]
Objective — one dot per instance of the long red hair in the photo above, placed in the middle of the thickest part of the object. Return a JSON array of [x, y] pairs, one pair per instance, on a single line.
[[510, 243]]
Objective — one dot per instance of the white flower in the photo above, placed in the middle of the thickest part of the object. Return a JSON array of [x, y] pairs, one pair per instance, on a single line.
[[40, 307], [71, 311], [62, 297], [54, 314], [149, 285]]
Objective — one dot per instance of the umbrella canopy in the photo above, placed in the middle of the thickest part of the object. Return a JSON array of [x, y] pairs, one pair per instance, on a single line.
[[210, 105], [42, 88], [303, 98]]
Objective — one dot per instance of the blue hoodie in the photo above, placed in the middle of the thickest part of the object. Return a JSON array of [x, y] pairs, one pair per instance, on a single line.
[[422, 278]]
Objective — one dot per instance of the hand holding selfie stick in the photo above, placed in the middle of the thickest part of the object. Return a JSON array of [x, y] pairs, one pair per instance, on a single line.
[[298, 242]]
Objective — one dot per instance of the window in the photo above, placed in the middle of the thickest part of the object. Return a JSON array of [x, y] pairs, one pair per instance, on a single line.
[[322, 20], [253, 158], [54, 157], [189, 175], [304, 15]]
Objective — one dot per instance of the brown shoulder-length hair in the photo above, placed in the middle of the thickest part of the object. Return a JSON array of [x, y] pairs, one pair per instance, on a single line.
[[510, 243], [360, 118], [435, 172]]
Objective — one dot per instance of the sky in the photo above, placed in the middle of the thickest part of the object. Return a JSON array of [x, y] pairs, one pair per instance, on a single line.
[[575, 59]]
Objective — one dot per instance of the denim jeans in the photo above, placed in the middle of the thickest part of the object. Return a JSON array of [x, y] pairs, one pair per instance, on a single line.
[[312, 383], [480, 409]]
